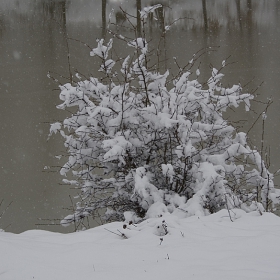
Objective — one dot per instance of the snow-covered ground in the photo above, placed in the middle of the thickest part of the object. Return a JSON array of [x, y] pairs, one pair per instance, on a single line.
[[197, 248]]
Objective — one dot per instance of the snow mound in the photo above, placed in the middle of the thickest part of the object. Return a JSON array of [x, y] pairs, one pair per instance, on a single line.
[[163, 247]]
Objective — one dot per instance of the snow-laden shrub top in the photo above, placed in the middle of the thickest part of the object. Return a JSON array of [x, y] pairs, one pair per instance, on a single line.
[[142, 143]]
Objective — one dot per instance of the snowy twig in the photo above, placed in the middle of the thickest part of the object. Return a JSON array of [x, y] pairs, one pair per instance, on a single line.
[[4, 211], [119, 234]]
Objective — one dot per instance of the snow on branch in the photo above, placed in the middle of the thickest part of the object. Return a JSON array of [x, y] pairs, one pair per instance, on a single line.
[[146, 10]]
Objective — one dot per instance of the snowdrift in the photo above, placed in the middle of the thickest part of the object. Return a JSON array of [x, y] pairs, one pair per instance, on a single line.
[[199, 248]]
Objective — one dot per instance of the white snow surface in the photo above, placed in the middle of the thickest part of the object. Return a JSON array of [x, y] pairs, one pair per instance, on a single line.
[[199, 248]]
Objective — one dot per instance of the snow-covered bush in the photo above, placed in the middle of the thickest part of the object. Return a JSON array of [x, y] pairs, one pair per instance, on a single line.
[[141, 143]]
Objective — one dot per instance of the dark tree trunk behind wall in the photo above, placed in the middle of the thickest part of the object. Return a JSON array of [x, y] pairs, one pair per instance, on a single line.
[[138, 8], [249, 18], [104, 4], [63, 8], [239, 16], [160, 14], [204, 10]]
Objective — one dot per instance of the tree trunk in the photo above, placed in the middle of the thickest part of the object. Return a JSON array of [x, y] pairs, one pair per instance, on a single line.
[[204, 10], [138, 8], [104, 4], [239, 16]]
